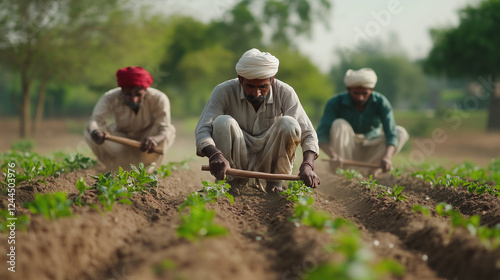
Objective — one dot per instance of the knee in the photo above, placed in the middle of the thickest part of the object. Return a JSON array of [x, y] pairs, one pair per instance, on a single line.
[[402, 134], [339, 124], [287, 123], [224, 122]]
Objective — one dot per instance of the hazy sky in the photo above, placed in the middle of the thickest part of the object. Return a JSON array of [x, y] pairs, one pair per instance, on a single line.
[[353, 21]]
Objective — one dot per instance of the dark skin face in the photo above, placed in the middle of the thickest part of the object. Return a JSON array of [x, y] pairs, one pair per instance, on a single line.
[[134, 96], [256, 87], [359, 96]]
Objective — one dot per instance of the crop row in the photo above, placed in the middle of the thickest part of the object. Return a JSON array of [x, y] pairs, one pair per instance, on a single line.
[[357, 261]]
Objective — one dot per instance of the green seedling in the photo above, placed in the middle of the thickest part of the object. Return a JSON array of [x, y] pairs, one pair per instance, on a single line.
[[490, 237], [349, 173], [141, 179], [422, 209], [309, 216], [166, 170], [78, 161], [296, 190], [52, 205], [395, 193], [80, 185], [199, 224], [371, 183], [214, 190], [6, 220], [31, 172]]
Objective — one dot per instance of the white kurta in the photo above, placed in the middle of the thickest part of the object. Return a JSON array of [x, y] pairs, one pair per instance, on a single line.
[[113, 116], [263, 140]]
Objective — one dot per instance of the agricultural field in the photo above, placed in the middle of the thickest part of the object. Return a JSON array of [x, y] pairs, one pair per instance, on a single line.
[[76, 220]]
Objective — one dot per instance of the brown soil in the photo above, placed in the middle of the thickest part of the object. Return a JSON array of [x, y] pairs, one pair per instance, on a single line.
[[130, 241]]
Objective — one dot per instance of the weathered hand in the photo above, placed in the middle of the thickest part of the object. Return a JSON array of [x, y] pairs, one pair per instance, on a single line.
[[308, 176], [218, 166], [386, 164], [98, 136], [149, 145]]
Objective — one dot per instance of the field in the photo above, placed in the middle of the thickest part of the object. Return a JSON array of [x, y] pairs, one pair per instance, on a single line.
[[140, 240]]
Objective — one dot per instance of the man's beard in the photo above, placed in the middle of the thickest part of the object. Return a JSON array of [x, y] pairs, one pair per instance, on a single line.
[[132, 105], [255, 100]]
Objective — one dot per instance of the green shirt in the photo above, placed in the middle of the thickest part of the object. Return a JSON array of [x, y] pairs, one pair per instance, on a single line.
[[376, 115]]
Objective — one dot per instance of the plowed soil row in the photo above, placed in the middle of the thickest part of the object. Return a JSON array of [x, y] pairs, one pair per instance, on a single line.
[[132, 241]]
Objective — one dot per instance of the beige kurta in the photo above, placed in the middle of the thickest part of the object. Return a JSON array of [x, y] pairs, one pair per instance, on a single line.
[[261, 141], [350, 146], [112, 115]]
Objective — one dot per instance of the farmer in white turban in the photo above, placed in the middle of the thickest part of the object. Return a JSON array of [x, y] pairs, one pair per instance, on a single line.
[[359, 124], [255, 122]]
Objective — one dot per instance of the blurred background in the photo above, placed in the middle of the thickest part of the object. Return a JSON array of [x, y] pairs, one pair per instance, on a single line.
[[438, 63]]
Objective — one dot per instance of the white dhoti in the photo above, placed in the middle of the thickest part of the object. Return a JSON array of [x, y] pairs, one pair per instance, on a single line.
[[271, 152], [113, 154], [350, 146]]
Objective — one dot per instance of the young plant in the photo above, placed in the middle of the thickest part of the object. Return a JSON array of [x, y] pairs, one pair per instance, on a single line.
[[213, 190], [78, 161], [349, 173], [52, 205], [142, 180], [5, 223], [166, 170], [371, 183], [199, 224], [396, 193], [296, 190], [80, 185]]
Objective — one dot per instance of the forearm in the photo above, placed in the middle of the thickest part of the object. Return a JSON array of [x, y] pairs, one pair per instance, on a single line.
[[210, 150], [327, 149], [309, 156], [389, 151]]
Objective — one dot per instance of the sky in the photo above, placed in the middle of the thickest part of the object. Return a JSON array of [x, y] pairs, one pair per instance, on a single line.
[[351, 22]]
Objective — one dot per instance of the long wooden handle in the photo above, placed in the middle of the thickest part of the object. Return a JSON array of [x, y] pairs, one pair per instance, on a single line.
[[355, 163], [255, 174], [129, 142]]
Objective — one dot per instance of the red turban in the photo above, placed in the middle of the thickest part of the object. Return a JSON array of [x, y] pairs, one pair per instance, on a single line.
[[133, 77]]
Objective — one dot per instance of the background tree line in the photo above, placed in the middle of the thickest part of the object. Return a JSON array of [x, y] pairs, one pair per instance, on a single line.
[[60, 56]]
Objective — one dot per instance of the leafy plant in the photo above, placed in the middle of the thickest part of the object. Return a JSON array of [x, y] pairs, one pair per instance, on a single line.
[[296, 190], [52, 205], [20, 223], [396, 193], [214, 190], [371, 183], [199, 224], [80, 185], [166, 170], [141, 179], [349, 173], [78, 161], [422, 209]]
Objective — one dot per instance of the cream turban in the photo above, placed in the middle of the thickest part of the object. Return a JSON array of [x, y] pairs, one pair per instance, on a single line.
[[255, 64], [364, 77]]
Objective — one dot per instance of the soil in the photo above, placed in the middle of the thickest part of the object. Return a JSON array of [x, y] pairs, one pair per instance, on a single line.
[[133, 241]]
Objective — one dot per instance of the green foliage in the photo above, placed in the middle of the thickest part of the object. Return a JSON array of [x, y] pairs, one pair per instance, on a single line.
[[371, 183], [471, 48], [309, 216], [199, 224], [78, 161], [81, 187], [422, 209], [52, 205], [476, 180], [166, 170], [20, 223], [297, 190], [490, 237], [23, 145], [349, 173], [395, 193], [141, 179], [110, 190]]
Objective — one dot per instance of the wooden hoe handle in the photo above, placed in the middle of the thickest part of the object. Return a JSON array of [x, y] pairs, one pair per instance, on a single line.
[[129, 142], [255, 174]]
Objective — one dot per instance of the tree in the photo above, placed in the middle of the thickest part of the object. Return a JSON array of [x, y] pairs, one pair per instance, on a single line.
[[472, 50], [69, 41]]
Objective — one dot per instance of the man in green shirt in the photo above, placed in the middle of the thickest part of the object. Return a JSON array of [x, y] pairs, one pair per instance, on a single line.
[[359, 124]]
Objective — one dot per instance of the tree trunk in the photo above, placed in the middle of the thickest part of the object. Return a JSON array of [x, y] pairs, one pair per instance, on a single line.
[[494, 110], [25, 119], [39, 106]]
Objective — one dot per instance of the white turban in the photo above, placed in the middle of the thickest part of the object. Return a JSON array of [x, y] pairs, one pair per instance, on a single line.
[[255, 64], [364, 77]]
